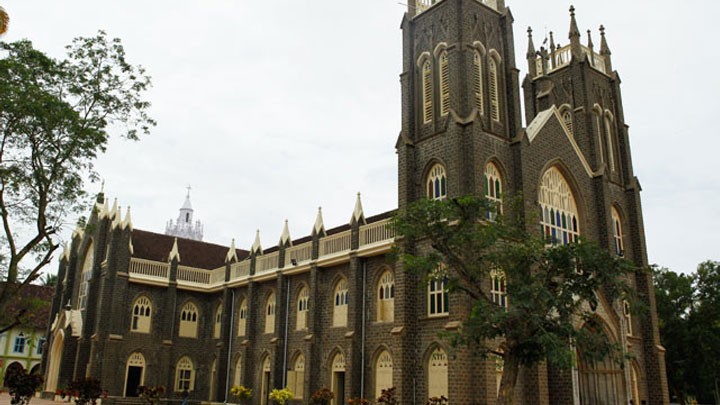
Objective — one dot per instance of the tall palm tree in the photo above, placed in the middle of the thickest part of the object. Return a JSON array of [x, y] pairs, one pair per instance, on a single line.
[[4, 20]]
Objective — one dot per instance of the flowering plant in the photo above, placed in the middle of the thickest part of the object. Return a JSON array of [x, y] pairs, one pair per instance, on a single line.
[[322, 397], [441, 400], [281, 396], [387, 396], [357, 401], [83, 390], [151, 395], [242, 393]]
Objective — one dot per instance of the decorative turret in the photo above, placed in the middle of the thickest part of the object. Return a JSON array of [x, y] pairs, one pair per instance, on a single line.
[[574, 36], [357, 216], [231, 255], [174, 252], [531, 54], [605, 50], [184, 226], [256, 248], [285, 237], [319, 227]]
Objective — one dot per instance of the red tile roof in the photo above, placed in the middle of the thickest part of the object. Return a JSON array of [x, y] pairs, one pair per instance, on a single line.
[[155, 246]]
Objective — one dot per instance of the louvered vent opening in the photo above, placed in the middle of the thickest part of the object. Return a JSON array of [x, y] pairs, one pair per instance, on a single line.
[[444, 84], [427, 92], [477, 81], [494, 101]]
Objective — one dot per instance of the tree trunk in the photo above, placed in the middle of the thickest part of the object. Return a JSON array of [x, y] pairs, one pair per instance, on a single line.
[[511, 366]]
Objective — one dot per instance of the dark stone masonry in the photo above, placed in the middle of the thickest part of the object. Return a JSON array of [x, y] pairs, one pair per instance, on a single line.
[[329, 310]]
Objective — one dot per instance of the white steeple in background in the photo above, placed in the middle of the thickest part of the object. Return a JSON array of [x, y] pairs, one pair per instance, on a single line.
[[184, 226]]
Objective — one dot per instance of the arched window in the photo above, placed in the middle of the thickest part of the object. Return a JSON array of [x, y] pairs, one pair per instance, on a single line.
[[627, 315], [386, 297], [340, 303], [558, 211], [242, 317], [383, 372], [493, 190], [427, 84], [609, 134], [218, 322], [188, 320], [494, 97], [617, 233], [599, 131], [477, 78], [86, 276], [438, 304], [302, 308], [141, 315], [296, 377], [134, 374], [270, 313], [438, 374], [635, 384], [184, 375], [568, 120], [498, 293], [237, 378], [444, 84], [437, 183]]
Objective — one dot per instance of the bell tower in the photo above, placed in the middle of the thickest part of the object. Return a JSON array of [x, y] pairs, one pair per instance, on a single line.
[[460, 98]]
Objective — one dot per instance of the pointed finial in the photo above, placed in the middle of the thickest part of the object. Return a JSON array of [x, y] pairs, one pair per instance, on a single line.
[[256, 248], [590, 42], [66, 253], [78, 232], [531, 45], [117, 218], [188, 191], [127, 224], [104, 213], [174, 253], [319, 227], [574, 36], [102, 186], [357, 215], [285, 237], [131, 249], [113, 210], [604, 48], [232, 253], [574, 31]]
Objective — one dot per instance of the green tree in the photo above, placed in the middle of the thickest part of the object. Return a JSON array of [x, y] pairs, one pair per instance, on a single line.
[[689, 317], [55, 117], [551, 289]]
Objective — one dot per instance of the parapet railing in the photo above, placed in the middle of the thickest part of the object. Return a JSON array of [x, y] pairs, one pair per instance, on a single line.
[[562, 57], [377, 234]]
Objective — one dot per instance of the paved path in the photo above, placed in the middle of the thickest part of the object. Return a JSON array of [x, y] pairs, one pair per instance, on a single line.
[[5, 400]]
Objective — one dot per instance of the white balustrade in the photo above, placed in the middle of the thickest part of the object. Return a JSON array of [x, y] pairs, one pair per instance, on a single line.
[[300, 253], [376, 232], [217, 276], [149, 269], [240, 269], [193, 275], [266, 263], [335, 244]]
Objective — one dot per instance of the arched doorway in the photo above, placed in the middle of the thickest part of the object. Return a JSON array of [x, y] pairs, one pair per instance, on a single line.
[[134, 374], [602, 381], [14, 367], [56, 351], [265, 383], [337, 379]]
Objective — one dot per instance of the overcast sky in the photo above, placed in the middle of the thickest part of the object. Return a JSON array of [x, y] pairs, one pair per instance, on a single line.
[[271, 108]]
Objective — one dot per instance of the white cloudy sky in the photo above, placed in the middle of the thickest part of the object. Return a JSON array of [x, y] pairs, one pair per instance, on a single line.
[[271, 108]]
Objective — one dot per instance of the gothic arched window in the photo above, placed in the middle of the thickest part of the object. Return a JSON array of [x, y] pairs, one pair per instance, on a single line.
[[438, 303], [141, 315], [617, 232], [494, 96], [296, 377], [498, 291], [437, 183], [302, 308], [383, 372], [493, 190], [242, 317], [86, 276], [438, 374], [444, 83], [558, 210], [478, 81], [238, 371], [568, 120], [218, 322], [270, 313], [610, 135], [184, 375], [427, 85], [340, 303], [386, 297], [188, 320]]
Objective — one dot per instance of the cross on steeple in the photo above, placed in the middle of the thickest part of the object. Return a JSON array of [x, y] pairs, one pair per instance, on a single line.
[[188, 189]]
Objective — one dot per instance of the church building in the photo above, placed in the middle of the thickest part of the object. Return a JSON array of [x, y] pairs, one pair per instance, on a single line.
[[328, 310]]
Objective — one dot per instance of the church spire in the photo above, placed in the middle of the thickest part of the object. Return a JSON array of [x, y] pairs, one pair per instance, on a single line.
[[184, 227], [574, 35]]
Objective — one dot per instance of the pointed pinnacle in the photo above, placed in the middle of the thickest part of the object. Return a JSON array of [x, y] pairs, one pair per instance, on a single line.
[[604, 48], [574, 31], [531, 45]]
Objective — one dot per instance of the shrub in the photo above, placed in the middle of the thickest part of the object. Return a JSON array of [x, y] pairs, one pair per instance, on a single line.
[[281, 396], [242, 393], [151, 395], [22, 386], [441, 400], [358, 401], [387, 396], [322, 397], [84, 391]]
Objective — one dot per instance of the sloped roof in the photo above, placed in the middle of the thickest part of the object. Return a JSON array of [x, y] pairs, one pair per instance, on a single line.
[[193, 253]]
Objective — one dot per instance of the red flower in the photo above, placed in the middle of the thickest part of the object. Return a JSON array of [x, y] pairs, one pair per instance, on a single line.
[[104, 395], [58, 392]]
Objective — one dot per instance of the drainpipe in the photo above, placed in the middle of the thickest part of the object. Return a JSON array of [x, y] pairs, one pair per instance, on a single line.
[[362, 338], [232, 322], [287, 315]]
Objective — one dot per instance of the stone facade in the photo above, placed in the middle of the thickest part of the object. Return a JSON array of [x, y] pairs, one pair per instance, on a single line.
[[479, 123]]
